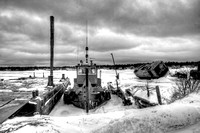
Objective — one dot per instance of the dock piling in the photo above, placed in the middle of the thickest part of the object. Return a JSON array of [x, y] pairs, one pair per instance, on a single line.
[[158, 95], [63, 76]]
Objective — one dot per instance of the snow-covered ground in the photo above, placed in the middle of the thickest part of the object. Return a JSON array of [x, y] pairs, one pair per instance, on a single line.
[[181, 116], [11, 82]]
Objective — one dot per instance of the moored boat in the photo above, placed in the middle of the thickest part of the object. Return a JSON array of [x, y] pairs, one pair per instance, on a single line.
[[87, 92], [82, 94]]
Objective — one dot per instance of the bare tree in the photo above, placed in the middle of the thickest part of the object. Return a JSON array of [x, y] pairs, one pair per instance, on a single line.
[[185, 86]]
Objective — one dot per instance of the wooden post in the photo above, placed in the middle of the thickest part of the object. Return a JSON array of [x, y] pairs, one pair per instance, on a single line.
[[158, 95], [37, 93], [147, 87], [50, 81], [43, 74], [100, 74], [148, 93], [63, 76], [87, 91], [34, 74], [33, 94]]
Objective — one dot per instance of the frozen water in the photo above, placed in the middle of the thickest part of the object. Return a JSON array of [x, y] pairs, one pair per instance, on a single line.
[[112, 116]]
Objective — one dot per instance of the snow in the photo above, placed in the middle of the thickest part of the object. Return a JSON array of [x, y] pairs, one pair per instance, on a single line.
[[12, 83], [115, 104], [166, 118], [5, 90], [180, 117]]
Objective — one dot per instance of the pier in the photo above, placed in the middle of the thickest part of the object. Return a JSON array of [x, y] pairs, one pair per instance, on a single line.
[[14, 104]]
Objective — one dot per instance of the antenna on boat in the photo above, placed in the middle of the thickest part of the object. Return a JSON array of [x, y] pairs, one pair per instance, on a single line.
[[86, 48]]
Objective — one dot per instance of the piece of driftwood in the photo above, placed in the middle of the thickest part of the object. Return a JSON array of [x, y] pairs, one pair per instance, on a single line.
[[141, 102]]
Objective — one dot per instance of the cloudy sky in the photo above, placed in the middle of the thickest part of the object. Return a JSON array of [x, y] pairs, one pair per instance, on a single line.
[[133, 30]]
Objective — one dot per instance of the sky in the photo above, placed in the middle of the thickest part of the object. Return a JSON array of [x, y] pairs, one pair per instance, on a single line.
[[133, 30]]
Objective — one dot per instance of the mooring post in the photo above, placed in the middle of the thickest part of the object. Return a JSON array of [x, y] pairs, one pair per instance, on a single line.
[[50, 78], [34, 94], [37, 92], [63, 76], [34, 74], [87, 91], [100, 74], [148, 93], [43, 74], [147, 87], [158, 95]]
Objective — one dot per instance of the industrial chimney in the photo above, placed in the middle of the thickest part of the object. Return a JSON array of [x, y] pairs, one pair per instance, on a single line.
[[50, 78]]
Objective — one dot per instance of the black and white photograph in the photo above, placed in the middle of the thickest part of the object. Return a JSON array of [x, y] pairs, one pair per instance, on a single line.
[[99, 66]]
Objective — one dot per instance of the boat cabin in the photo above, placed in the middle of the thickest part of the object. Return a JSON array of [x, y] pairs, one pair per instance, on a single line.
[[92, 75]]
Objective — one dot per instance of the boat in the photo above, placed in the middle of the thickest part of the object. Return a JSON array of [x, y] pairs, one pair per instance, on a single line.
[[81, 94], [153, 70], [87, 92]]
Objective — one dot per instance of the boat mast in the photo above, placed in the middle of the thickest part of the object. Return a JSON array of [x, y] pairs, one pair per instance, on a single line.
[[86, 48], [86, 71]]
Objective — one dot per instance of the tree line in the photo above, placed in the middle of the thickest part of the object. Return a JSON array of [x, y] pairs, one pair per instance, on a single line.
[[117, 66]]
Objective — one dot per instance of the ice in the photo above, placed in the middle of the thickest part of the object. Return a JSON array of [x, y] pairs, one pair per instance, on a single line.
[[181, 116]]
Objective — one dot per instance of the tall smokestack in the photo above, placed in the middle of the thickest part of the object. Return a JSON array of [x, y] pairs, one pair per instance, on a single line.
[[50, 78]]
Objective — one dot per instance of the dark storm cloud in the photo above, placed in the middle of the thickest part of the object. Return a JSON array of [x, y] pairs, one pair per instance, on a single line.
[[133, 29], [154, 18], [23, 24]]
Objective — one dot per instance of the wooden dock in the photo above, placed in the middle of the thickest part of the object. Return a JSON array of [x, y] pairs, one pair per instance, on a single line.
[[10, 108], [10, 102]]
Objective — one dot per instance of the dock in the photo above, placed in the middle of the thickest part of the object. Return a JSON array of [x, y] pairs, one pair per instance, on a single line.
[[14, 104]]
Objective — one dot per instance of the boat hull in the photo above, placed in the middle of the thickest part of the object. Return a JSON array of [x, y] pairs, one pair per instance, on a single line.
[[78, 98], [154, 70]]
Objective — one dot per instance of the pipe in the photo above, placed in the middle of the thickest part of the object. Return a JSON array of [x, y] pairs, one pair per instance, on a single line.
[[50, 78]]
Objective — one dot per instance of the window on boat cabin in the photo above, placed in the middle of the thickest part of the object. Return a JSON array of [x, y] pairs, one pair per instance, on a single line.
[[81, 71], [92, 71]]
